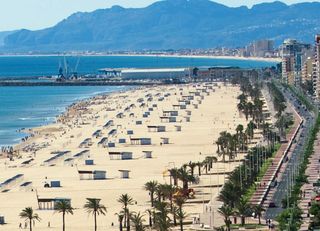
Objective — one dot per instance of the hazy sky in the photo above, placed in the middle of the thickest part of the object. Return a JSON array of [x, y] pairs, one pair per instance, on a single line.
[[37, 14]]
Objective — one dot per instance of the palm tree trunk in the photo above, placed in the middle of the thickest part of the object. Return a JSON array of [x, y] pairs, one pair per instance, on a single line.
[[185, 185], [63, 221], [128, 222], [95, 221], [242, 221], [175, 181], [120, 226], [181, 225], [151, 198], [199, 170], [30, 224], [125, 217]]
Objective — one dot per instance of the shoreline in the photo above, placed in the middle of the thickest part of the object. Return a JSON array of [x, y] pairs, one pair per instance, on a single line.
[[216, 111], [29, 131], [272, 60], [193, 142]]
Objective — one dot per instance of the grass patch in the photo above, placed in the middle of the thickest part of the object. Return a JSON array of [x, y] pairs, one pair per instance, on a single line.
[[251, 190]]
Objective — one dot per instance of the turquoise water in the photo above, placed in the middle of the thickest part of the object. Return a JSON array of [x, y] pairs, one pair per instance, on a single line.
[[26, 107], [49, 65]]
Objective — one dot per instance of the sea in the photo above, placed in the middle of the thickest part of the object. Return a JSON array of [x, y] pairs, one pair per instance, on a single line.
[[27, 107]]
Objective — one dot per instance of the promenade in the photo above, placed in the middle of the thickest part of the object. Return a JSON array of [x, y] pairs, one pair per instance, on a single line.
[[266, 187], [307, 189]]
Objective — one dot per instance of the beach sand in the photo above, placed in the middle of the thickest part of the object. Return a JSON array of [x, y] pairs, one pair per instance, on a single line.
[[196, 140]]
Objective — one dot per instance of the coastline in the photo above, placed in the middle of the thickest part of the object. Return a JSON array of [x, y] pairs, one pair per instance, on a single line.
[[193, 143], [29, 131], [272, 60]]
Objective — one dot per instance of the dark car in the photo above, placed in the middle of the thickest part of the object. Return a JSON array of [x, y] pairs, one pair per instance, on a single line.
[[272, 205]]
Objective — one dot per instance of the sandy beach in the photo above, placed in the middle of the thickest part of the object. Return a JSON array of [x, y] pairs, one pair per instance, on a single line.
[[135, 114]]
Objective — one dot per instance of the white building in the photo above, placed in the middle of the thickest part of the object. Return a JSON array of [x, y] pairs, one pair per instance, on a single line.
[[147, 73]]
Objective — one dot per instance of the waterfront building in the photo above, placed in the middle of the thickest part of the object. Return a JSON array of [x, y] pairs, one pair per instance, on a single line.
[[214, 73], [292, 53], [147, 73]]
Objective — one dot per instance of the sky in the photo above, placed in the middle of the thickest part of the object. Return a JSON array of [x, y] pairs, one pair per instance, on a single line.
[[38, 14]]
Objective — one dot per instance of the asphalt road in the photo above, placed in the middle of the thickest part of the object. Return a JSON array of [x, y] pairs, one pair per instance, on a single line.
[[296, 155]]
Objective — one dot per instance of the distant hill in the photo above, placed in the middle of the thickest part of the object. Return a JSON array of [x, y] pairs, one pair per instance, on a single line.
[[3, 35], [172, 24]]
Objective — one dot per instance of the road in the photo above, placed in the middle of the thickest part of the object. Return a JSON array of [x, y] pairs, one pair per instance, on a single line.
[[295, 157]]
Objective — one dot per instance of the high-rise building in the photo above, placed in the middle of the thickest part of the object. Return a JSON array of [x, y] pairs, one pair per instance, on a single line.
[[260, 48], [316, 70], [293, 53], [307, 69]]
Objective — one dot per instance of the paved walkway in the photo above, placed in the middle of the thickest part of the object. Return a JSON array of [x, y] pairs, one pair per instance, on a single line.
[[264, 192], [312, 172]]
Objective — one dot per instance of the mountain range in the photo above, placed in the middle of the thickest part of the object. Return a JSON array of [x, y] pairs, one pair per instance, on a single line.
[[171, 24]]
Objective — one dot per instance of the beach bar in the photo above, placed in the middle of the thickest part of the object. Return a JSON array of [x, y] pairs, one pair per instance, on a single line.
[[158, 128], [50, 203], [120, 155], [147, 154], [92, 174], [164, 140], [124, 174], [168, 119], [170, 113], [140, 141], [2, 220]]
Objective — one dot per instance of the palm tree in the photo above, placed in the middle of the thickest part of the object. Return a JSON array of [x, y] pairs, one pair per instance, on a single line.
[[185, 177], [199, 165], [174, 174], [174, 212], [243, 209], [151, 186], [29, 215], [226, 211], [160, 192], [126, 200], [137, 220], [120, 219], [258, 210], [192, 166], [93, 206], [162, 219], [181, 216], [150, 214], [211, 160], [168, 191], [64, 207], [179, 201]]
